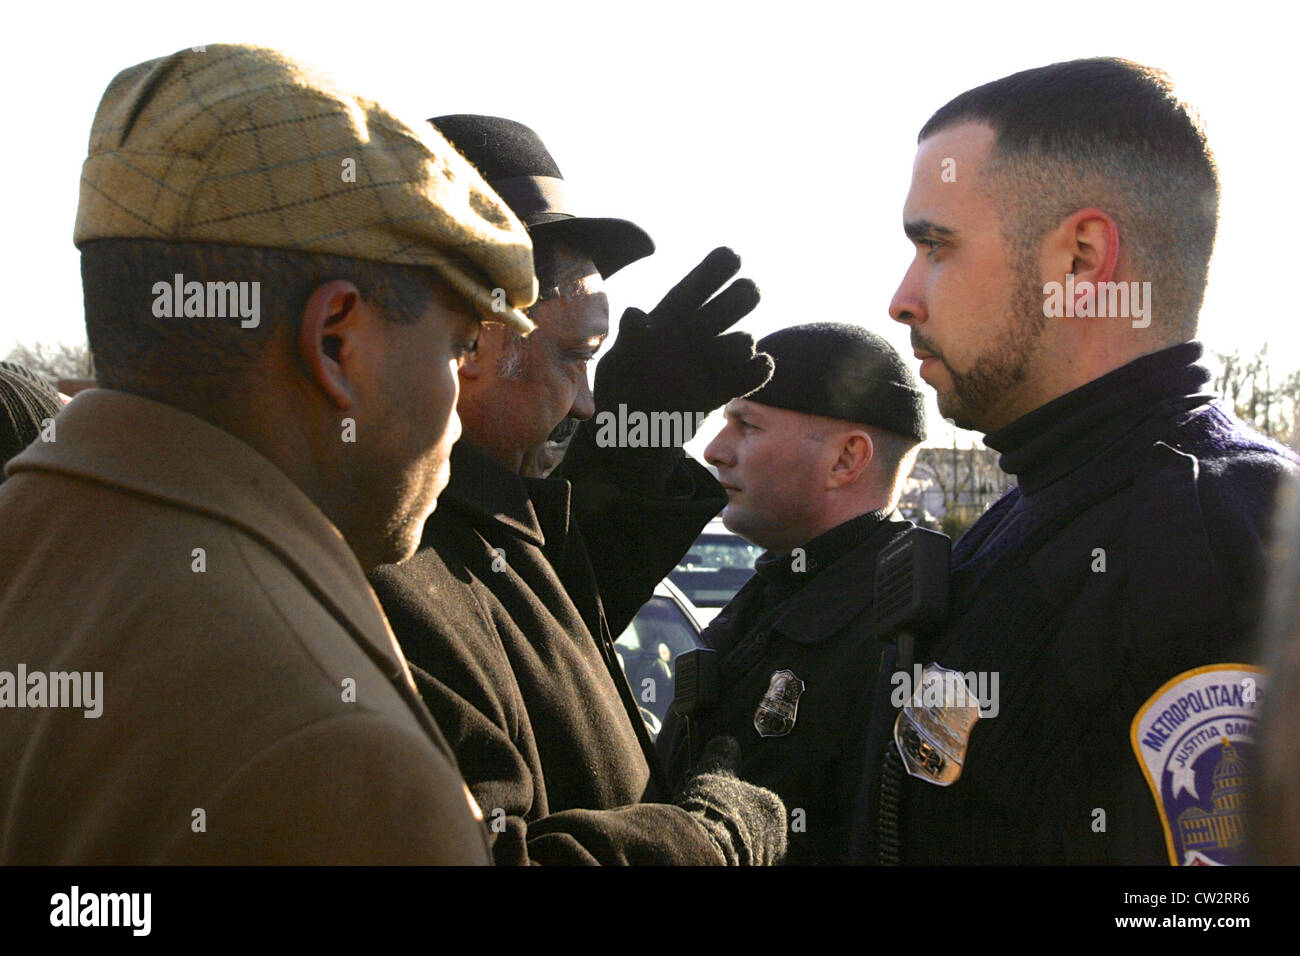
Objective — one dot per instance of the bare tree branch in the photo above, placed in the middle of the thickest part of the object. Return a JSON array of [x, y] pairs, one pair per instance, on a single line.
[[56, 361]]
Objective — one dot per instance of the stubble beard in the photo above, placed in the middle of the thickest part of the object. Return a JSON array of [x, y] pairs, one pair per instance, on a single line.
[[974, 396]]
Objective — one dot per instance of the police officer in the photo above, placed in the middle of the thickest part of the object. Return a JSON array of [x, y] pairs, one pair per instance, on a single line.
[[812, 464], [1063, 219]]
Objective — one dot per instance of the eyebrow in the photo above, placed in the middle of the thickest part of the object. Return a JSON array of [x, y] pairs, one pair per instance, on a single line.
[[745, 410], [922, 228]]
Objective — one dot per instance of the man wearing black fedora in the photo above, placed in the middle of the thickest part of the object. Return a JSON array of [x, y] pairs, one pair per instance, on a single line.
[[508, 609]]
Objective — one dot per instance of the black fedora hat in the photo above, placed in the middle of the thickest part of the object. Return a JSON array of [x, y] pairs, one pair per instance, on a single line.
[[515, 163]]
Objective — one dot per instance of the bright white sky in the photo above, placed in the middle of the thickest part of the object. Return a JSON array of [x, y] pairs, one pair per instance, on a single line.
[[785, 130]]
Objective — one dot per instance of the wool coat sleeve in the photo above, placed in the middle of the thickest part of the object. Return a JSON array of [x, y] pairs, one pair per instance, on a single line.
[[479, 707], [637, 519]]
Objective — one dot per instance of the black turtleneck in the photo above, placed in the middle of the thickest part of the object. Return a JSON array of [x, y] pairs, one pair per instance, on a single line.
[[1129, 555], [1062, 449], [1055, 439]]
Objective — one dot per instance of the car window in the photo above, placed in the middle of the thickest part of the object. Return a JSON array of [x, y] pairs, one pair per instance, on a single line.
[[716, 567], [648, 651]]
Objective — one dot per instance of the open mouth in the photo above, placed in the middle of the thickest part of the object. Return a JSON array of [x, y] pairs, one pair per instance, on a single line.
[[562, 432], [552, 451]]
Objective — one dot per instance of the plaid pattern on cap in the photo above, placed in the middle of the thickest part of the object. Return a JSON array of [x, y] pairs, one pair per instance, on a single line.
[[241, 145]]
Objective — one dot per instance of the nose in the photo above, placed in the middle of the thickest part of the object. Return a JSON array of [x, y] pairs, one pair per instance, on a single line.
[[453, 420], [453, 428], [719, 451], [908, 304], [584, 406]]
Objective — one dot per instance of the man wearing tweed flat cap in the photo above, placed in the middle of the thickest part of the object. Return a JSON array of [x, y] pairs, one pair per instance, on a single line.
[[281, 281], [545, 572], [813, 464]]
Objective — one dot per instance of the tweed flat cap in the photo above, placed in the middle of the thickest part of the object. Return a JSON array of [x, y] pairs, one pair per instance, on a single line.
[[242, 145]]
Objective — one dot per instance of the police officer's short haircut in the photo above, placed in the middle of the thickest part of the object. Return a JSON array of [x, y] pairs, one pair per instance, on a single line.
[[892, 448], [1110, 134], [893, 453], [199, 359], [896, 453]]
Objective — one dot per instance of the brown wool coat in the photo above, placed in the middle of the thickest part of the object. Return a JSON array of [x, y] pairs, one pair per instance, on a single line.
[[224, 691]]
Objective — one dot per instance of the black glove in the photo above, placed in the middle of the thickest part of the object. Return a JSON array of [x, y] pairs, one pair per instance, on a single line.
[[677, 357], [674, 360], [747, 823]]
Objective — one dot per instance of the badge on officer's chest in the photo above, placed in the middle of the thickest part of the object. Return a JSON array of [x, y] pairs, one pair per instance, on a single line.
[[776, 711], [935, 725]]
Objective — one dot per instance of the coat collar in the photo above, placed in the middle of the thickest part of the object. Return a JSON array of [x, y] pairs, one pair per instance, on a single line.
[[489, 490], [840, 592], [156, 451]]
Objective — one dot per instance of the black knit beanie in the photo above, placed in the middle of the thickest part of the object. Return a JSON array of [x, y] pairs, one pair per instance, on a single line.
[[842, 371]]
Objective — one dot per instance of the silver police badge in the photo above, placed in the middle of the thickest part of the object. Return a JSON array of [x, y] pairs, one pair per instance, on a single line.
[[776, 711], [934, 728]]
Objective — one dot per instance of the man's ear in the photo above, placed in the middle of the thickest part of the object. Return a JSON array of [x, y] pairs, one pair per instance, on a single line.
[[856, 450], [329, 338], [491, 336], [1086, 244]]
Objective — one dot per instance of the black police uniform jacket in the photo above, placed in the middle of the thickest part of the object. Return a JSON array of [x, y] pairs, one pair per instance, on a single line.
[[809, 613], [505, 613], [1130, 554]]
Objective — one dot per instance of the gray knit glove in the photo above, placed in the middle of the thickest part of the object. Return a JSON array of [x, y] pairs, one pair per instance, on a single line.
[[747, 823]]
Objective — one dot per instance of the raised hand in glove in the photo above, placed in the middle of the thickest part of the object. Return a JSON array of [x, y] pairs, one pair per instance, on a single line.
[[676, 358], [746, 822]]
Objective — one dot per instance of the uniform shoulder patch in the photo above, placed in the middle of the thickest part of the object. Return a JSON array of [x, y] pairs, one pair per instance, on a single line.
[[1195, 741]]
